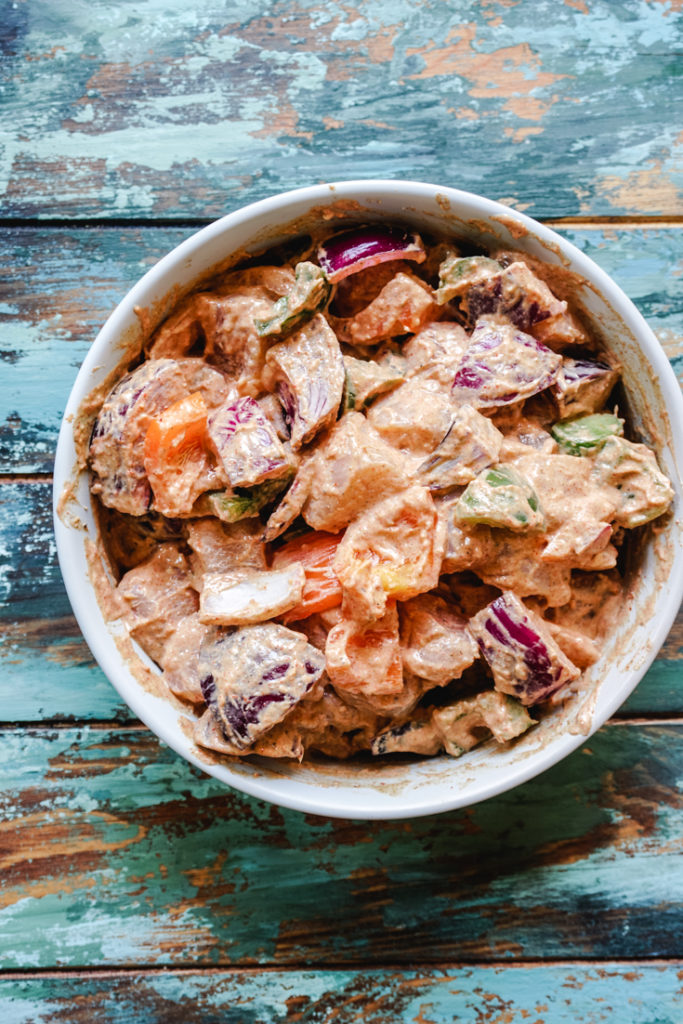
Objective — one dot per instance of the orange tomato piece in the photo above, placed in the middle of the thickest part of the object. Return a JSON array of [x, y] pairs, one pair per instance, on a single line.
[[366, 660], [175, 454], [322, 589]]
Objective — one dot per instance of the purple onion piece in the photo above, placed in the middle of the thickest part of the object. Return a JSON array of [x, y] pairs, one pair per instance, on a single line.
[[306, 370], [503, 365], [583, 386], [252, 676], [523, 657], [208, 688], [246, 443], [242, 716], [357, 248], [275, 673], [284, 393], [584, 369]]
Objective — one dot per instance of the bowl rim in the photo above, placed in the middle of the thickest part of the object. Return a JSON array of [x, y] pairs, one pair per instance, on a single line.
[[309, 797]]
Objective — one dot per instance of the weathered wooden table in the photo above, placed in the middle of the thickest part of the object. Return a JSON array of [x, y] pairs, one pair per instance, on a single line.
[[133, 888]]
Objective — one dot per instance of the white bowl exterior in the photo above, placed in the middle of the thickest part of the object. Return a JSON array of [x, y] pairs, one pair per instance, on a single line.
[[380, 790]]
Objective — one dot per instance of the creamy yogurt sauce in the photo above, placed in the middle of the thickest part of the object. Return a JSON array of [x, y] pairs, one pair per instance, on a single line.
[[373, 499]]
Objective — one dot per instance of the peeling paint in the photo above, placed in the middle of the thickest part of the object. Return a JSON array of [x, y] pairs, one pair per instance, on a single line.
[[183, 867], [486, 994], [165, 111], [114, 851]]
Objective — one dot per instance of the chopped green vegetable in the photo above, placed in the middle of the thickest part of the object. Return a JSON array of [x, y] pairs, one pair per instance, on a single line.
[[365, 380], [309, 294], [468, 722], [349, 398], [586, 434], [458, 273], [231, 506], [644, 492], [502, 497]]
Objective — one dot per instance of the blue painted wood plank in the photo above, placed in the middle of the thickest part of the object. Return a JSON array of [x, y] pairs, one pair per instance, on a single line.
[[56, 290], [148, 108], [114, 852], [57, 287], [574, 993]]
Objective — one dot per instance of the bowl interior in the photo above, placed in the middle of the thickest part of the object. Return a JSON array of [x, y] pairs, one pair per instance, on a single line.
[[408, 787]]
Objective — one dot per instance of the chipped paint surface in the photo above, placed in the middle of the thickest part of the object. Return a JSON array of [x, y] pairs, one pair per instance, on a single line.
[[147, 108], [570, 994], [56, 290], [116, 852], [133, 887]]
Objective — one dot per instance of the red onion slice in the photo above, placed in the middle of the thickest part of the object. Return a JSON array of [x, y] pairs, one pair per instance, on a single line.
[[524, 659], [362, 247], [503, 365]]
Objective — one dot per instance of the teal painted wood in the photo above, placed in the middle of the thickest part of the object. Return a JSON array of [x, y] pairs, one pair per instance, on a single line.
[[56, 290], [115, 852], [60, 285], [148, 108], [47, 672], [575, 993], [46, 669]]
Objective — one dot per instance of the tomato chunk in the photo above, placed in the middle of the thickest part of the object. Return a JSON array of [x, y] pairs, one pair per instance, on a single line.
[[322, 589], [176, 459]]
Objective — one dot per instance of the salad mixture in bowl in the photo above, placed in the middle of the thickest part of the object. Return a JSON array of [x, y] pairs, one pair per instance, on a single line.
[[371, 494], [363, 498]]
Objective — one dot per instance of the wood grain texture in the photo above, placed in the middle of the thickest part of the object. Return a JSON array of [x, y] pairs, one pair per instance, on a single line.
[[115, 852], [56, 290], [47, 672], [147, 108], [133, 887], [574, 993], [57, 287]]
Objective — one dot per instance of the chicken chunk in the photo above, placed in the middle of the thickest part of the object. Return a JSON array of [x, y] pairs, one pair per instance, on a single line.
[[394, 550], [222, 547], [329, 725], [307, 371], [178, 333], [404, 305], [353, 468], [435, 642], [434, 354], [506, 560], [577, 513], [227, 318], [159, 593], [471, 444], [180, 659], [413, 418], [366, 659]]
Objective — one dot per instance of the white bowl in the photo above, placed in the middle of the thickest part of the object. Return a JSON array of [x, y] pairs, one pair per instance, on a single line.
[[409, 788]]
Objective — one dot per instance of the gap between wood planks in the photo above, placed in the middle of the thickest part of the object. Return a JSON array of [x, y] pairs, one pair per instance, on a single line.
[[344, 966], [34, 726], [25, 478], [624, 222]]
